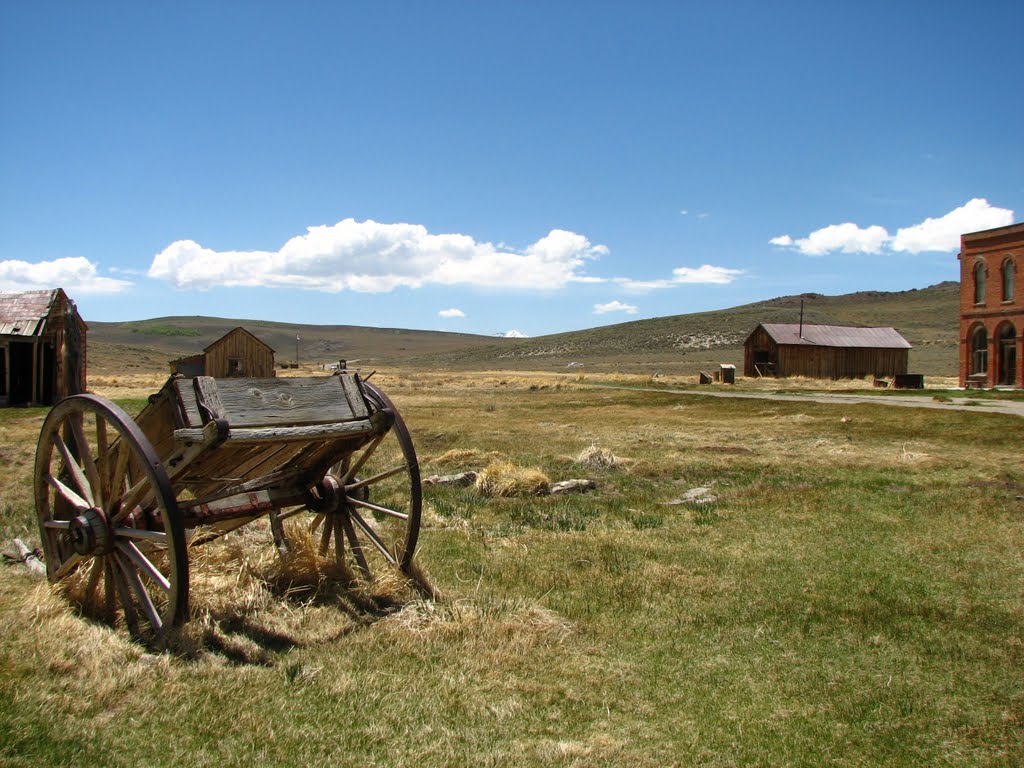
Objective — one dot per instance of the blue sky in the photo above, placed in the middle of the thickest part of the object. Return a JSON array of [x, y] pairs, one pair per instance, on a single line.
[[489, 167]]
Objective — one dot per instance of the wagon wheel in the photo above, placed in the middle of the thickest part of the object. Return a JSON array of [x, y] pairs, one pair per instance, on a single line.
[[108, 519], [367, 508]]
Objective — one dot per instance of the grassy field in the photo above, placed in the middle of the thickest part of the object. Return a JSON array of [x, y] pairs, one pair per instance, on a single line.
[[846, 591]]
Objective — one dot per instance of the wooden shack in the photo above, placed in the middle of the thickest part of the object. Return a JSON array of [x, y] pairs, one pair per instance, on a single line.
[[42, 348], [824, 351], [235, 354]]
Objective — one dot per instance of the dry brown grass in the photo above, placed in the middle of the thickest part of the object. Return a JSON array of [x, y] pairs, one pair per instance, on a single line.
[[596, 457], [505, 479]]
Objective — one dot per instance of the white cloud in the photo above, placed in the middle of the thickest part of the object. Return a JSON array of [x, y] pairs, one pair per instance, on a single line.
[[941, 234], [705, 274], [614, 306], [847, 238], [369, 257], [513, 335], [451, 313], [77, 275]]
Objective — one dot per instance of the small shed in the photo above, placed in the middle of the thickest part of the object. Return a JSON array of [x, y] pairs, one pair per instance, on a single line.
[[238, 353], [42, 348], [824, 351]]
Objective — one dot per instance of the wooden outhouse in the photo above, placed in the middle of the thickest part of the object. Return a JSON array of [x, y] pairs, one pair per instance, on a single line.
[[824, 351], [236, 353], [42, 348]]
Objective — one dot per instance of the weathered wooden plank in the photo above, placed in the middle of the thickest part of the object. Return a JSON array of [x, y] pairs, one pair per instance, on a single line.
[[266, 402], [208, 401], [285, 434], [354, 395]]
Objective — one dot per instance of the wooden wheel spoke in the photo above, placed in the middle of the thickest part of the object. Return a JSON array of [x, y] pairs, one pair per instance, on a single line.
[[124, 595], [376, 478], [339, 541], [110, 588], [57, 525], [73, 469], [156, 537], [372, 535], [317, 522], [378, 508], [139, 495], [103, 462], [69, 495], [354, 543], [87, 459], [142, 563], [132, 577], [94, 577], [363, 458], [118, 476], [325, 536], [69, 565]]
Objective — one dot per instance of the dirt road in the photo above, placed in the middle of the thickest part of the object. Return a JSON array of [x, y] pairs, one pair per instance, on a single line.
[[974, 405]]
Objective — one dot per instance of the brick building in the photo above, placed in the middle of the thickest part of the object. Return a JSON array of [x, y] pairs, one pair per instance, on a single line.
[[992, 307]]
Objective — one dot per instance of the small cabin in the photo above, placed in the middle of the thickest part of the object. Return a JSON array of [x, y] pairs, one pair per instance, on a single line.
[[235, 354], [824, 351], [42, 348]]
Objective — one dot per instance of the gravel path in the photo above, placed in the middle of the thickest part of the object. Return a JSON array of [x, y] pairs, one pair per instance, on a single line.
[[974, 405]]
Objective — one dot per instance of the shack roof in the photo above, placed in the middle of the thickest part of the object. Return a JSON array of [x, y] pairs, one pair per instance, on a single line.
[[22, 314], [243, 330], [835, 336]]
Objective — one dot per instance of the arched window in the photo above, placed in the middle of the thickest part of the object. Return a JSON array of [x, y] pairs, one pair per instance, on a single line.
[[1008, 275], [979, 351], [979, 282]]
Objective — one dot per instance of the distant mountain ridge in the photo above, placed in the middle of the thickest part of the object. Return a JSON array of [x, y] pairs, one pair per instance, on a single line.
[[928, 318]]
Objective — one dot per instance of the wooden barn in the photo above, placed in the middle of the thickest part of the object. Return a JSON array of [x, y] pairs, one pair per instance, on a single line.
[[236, 353], [42, 348], [824, 351]]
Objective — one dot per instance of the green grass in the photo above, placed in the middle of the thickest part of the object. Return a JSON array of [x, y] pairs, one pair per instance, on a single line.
[[852, 597], [155, 329]]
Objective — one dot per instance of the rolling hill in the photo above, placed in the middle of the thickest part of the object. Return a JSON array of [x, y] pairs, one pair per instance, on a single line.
[[927, 317]]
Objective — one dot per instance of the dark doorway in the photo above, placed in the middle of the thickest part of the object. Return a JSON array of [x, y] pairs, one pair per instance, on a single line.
[[1007, 348], [21, 372]]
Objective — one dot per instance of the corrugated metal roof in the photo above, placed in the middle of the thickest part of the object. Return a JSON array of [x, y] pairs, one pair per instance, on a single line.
[[21, 314], [835, 336]]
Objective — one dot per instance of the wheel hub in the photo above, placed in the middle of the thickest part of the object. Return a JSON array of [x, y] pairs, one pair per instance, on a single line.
[[90, 534], [329, 494]]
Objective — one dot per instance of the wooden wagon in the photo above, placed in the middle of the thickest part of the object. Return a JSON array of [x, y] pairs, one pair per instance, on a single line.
[[121, 501]]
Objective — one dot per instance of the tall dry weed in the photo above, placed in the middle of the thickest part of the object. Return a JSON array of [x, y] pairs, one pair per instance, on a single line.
[[505, 479]]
